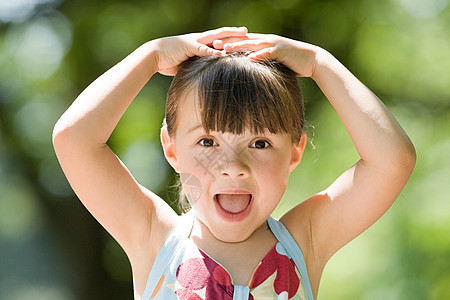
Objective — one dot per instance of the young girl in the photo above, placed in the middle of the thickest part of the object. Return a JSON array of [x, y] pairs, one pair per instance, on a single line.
[[233, 131]]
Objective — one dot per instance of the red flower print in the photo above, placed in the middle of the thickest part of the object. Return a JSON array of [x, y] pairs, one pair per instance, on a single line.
[[196, 274]]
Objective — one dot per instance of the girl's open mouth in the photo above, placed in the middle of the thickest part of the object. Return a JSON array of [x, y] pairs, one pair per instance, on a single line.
[[233, 207]]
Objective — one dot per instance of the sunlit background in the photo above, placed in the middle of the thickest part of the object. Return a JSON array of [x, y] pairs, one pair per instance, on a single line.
[[52, 249]]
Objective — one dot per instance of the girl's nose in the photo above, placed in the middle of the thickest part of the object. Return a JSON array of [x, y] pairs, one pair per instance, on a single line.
[[235, 167]]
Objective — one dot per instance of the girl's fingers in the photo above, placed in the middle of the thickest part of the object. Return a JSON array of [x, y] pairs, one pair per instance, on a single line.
[[219, 43], [208, 37], [263, 54], [247, 45], [203, 50]]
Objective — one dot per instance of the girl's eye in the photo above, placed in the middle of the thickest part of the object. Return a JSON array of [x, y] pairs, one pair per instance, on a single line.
[[206, 142], [260, 144]]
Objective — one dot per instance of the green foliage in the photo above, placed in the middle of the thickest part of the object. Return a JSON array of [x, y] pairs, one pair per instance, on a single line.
[[51, 50]]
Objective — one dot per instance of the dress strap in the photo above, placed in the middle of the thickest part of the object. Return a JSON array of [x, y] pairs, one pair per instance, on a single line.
[[167, 252], [291, 246]]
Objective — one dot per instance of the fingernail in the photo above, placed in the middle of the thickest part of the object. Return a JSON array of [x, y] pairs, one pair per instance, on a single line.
[[244, 28], [252, 57], [217, 43]]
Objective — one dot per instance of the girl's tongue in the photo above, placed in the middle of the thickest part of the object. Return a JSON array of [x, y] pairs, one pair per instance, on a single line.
[[234, 203]]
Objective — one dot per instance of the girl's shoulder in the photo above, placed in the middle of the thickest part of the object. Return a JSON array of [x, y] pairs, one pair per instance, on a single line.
[[144, 254], [298, 221]]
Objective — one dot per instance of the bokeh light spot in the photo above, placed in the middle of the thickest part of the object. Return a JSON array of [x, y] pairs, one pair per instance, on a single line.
[[37, 47], [18, 10], [32, 124], [147, 164], [424, 9]]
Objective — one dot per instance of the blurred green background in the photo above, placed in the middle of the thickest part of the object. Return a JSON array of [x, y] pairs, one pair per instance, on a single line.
[[50, 50]]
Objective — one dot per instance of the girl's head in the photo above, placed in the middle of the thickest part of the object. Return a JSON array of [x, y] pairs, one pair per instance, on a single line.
[[234, 132], [236, 94]]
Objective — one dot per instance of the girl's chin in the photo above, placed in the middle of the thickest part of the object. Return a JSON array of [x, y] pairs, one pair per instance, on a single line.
[[228, 232], [230, 236]]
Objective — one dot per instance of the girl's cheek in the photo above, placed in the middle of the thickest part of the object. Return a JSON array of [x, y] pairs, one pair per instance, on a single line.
[[273, 167], [201, 162]]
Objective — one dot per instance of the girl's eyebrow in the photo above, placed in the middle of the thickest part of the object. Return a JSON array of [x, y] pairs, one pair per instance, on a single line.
[[194, 128]]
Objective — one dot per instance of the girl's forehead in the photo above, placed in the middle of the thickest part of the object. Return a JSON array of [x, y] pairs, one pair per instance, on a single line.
[[189, 112], [189, 118]]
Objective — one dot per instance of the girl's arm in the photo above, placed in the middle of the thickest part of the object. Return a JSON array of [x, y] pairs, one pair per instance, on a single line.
[[362, 194], [102, 182]]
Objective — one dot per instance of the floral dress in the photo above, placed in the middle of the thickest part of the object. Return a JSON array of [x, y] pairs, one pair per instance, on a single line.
[[183, 271]]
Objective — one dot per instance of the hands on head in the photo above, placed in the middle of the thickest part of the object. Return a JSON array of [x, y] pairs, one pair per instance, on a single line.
[[299, 56], [172, 51]]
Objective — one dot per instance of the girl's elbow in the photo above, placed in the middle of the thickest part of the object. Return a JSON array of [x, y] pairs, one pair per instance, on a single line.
[[62, 136], [58, 137], [406, 159], [411, 157], [399, 161], [410, 154]]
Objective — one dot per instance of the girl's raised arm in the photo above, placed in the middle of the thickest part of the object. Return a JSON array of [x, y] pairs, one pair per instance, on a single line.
[[362, 194], [104, 185]]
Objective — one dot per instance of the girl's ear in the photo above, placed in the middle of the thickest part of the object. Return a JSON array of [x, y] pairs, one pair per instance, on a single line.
[[169, 148], [297, 152]]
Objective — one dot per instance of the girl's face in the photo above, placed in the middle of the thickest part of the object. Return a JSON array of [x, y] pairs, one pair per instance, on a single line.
[[233, 182]]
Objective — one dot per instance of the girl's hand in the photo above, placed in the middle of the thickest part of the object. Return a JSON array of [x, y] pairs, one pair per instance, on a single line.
[[300, 57], [171, 51]]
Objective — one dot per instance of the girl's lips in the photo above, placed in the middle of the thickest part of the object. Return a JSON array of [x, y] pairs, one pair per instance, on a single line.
[[234, 206]]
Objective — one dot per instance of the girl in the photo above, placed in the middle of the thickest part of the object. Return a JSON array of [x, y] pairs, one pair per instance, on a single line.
[[243, 112]]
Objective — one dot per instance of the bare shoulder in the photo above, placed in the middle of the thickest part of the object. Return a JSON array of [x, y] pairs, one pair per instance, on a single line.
[[142, 255], [299, 222], [162, 221]]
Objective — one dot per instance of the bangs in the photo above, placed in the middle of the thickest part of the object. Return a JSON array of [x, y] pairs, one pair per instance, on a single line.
[[249, 96], [238, 95]]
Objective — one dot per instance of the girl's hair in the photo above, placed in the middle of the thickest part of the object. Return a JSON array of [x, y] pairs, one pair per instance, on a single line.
[[236, 94]]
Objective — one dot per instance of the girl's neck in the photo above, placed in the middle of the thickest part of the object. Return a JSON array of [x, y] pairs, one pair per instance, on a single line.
[[239, 259], [205, 239]]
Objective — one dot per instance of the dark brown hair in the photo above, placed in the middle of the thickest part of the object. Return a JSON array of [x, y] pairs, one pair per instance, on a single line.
[[237, 94]]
